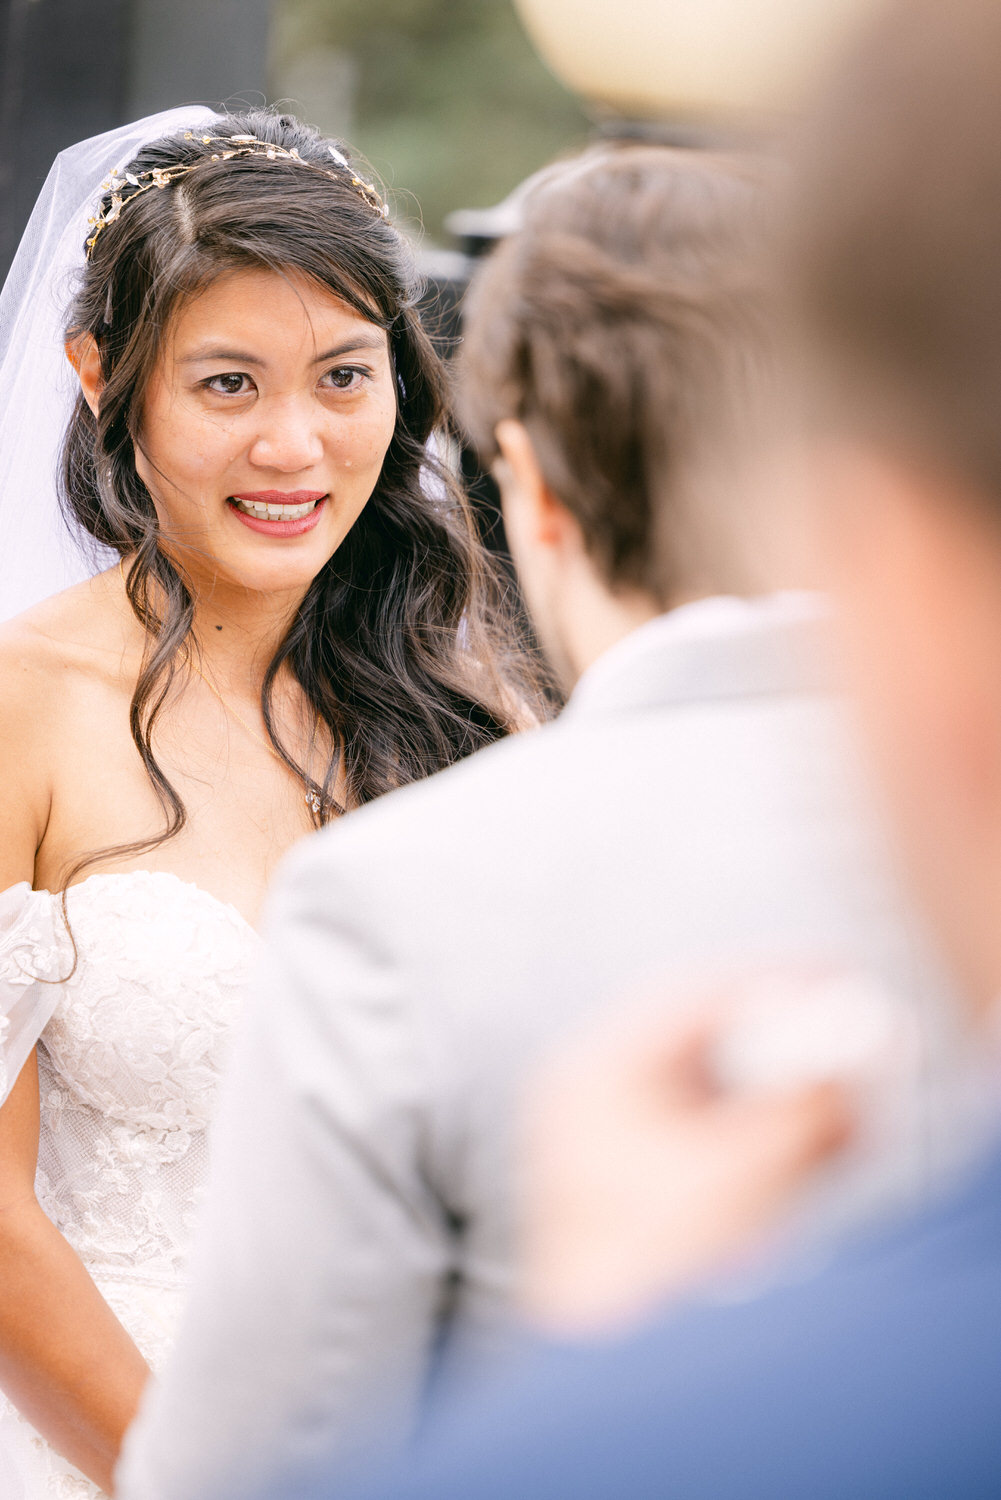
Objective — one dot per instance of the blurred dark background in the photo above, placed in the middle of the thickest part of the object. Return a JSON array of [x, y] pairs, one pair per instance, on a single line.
[[72, 68]]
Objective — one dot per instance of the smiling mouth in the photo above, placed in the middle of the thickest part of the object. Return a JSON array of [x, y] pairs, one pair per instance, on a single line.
[[268, 511], [279, 514]]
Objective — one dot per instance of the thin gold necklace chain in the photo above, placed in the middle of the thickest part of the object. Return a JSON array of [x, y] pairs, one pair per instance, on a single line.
[[312, 797]]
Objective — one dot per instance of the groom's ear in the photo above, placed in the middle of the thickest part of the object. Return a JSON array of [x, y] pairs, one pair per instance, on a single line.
[[529, 505], [84, 355]]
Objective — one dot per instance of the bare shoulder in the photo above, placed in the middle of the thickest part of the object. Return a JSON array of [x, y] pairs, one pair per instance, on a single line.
[[75, 635], [52, 658]]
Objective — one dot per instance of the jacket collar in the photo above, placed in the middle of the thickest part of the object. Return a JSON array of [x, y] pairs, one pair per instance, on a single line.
[[716, 648]]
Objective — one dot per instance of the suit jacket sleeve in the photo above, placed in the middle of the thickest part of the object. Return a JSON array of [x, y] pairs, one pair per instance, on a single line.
[[323, 1251]]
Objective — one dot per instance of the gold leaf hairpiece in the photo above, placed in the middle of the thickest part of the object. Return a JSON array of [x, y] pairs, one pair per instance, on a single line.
[[124, 186]]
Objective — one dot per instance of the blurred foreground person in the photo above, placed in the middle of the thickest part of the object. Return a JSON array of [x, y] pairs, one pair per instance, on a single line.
[[694, 809], [879, 1377]]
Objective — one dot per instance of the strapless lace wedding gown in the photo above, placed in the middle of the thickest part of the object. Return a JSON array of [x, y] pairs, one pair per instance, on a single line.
[[129, 1065]]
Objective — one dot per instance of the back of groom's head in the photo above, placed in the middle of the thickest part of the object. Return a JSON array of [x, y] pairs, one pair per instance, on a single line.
[[626, 326]]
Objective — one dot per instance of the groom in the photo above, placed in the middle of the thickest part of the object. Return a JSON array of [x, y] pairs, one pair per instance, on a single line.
[[695, 809]]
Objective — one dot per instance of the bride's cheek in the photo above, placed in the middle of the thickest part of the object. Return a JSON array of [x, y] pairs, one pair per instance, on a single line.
[[373, 439], [208, 453]]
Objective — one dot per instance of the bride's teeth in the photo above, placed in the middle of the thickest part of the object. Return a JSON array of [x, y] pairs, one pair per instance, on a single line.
[[264, 512]]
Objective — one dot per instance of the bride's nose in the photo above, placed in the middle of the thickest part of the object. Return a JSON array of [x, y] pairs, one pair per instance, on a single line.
[[289, 437]]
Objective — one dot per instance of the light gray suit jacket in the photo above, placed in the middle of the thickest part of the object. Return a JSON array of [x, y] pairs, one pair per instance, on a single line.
[[697, 807]]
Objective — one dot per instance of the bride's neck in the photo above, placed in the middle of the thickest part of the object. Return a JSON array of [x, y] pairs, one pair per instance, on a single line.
[[237, 630], [238, 633]]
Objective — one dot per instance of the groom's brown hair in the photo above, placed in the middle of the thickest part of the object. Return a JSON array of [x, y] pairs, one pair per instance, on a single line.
[[627, 326]]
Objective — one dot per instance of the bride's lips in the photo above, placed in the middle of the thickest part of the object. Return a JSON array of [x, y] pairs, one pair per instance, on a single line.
[[278, 512]]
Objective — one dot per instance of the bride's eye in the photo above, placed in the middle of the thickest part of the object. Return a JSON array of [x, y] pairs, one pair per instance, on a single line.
[[344, 378], [230, 384]]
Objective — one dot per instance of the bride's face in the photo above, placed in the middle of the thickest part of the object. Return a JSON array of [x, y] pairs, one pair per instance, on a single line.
[[264, 429]]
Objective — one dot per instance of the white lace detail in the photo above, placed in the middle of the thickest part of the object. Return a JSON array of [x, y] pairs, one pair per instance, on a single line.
[[129, 1066]]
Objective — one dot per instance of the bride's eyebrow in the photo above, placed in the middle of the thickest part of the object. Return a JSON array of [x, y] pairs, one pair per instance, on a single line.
[[360, 341], [240, 357], [212, 352]]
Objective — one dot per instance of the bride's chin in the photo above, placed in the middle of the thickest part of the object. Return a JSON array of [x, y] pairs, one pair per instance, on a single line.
[[267, 576]]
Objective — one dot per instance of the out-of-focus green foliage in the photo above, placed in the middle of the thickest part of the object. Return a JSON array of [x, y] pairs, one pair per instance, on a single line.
[[445, 98]]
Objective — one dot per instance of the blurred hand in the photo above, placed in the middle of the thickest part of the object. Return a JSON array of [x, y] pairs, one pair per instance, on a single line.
[[642, 1176]]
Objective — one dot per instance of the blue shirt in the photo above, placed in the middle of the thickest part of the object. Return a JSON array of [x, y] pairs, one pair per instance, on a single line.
[[879, 1378]]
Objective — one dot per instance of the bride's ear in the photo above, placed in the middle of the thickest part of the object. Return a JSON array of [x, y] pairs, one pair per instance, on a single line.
[[84, 355]]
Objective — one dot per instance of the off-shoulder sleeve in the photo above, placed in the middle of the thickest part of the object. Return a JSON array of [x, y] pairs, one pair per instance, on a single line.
[[34, 954]]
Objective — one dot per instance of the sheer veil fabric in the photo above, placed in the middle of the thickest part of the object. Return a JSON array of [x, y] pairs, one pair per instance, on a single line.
[[38, 555]]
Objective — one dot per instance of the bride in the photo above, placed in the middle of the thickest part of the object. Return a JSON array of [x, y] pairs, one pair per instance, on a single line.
[[296, 617]]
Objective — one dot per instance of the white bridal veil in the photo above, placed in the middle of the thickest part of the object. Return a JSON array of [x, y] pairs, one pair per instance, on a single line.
[[38, 555]]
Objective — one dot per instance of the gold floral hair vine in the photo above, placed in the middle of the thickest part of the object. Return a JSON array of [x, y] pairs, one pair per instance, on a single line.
[[124, 186]]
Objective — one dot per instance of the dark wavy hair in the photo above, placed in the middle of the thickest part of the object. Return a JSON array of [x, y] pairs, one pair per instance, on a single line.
[[404, 645]]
